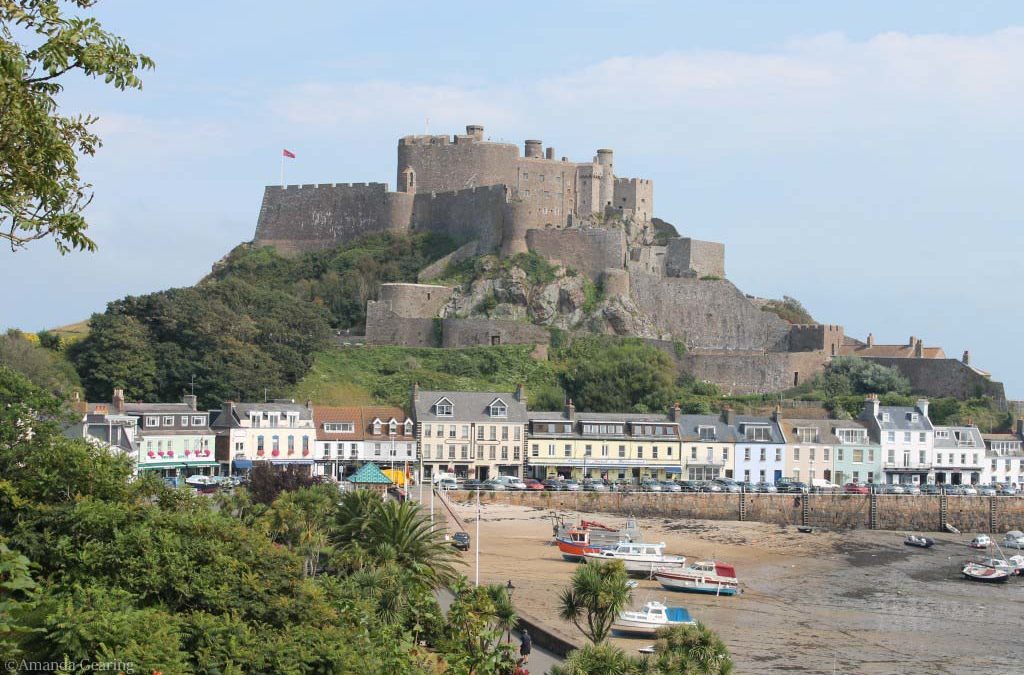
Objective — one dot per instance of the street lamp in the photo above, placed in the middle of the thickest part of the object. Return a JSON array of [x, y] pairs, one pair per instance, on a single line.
[[510, 588]]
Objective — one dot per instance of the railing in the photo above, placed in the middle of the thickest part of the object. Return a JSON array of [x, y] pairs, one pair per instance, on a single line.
[[906, 465]]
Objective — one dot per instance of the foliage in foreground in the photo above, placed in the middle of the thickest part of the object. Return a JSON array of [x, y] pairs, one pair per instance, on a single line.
[[596, 595], [98, 567], [679, 650]]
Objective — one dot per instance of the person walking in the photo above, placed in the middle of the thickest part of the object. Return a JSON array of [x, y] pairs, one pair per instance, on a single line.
[[525, 646]]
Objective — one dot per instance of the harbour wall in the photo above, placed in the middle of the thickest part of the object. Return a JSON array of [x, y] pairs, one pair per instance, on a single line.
[[918, 513]]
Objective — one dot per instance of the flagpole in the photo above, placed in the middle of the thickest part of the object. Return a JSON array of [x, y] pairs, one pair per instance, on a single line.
[[282, 169]]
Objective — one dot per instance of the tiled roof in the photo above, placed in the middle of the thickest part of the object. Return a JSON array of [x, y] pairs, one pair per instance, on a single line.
[[362, 418], [369, 474], [469, 406], [826, 429]]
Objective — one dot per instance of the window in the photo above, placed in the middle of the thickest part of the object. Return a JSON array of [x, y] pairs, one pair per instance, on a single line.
[[885, 417], [184, 420], [757, 433], [480, 433], [654, 452], [892, 456], [587, 451], [810, 454], [725, 454], [622, 451], [906, 436], [451, 431], [341, 427], [168, 420], [376, 449], [824, 454], [494, 432], [807, 434], [443, 408], [762, 475], [504, 433], [291, 445], [710, 455], [796, 454], [839, 454], [408, 427], [778, 454], [504, 452], [693, 453], [426, 451], [922, 437], [892, 436], [305, 445], [871, 455], [519, 431], [639, 452], [763, 451], [392, 427], [851, 435], [515, 455], [942, 433], [551, 450], [535, 450], [376, 427], [498, 409], [465, 431], [152, 421], [913, 417], [922, 457], [706, 433], [568, 450], [275, 443], [604, 450], [746, 454]]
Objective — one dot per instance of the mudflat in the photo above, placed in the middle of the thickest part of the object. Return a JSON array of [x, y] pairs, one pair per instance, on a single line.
[[827, 602]]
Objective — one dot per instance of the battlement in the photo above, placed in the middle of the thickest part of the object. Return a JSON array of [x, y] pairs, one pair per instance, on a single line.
[[823, 337], [378, 187], [634, 181]]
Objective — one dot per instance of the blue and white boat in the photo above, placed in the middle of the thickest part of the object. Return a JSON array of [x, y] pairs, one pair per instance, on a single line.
[[650, 618]]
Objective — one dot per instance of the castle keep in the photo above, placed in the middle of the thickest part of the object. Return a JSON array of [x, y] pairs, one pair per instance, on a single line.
[[490, 198]]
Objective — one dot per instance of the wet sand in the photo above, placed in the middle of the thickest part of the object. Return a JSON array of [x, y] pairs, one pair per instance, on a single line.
[[827, 602]]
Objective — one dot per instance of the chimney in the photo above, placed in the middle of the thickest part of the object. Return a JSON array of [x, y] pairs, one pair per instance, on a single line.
[[676, 412], [118, 400], [967, 358], [549, 153], [919, 349], [476, 131], [532, 148], [913, 341], [520, 394], [729, 415], [226, 408], [569, 411], [309, 405], [190, 400], [776, 413], [414, 394], [871, 406], [922, 406], [871, 340]]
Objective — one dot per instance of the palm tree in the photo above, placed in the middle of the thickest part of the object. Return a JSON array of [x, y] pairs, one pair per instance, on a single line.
[[504, 611], [368, 529], [603, 659], [599, 591], [695, 650]]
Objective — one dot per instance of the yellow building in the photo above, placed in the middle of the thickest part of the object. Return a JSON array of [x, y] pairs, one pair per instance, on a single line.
[[615, 446]]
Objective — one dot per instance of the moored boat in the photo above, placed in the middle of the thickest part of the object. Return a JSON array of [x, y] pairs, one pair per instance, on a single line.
[[600, 535], [981, 541], [705, 576], [920, 542], [652, 616], [575, 544], [638, 558], [979, 572], [1014, 539]]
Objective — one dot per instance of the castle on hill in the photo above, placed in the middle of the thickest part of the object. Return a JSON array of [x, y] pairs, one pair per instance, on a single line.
[[491, 199]]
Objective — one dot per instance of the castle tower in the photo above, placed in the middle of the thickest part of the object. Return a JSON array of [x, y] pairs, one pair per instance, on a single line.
[[534, 149], [606, 191], [407, 180], [476, 131]]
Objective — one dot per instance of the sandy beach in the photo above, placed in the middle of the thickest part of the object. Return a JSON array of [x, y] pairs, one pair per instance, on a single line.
[[827, 602]]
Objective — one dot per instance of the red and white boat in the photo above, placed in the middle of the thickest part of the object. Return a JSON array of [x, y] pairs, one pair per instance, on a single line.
[[706, 576], [575, 543], [979, 572]]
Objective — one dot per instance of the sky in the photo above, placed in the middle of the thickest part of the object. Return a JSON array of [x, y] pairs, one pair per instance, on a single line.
[[864, 158]]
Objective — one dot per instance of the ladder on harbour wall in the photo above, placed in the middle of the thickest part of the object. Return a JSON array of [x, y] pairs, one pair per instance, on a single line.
[[805, 512], [943, 513], [743, 506], [873, 511], [992, 514]]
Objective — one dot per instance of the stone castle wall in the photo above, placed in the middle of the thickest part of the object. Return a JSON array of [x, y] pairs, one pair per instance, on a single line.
[[706, 314], [693, 257], [475, 213], [474, 332], [443, 163], [944, 377], [588, 251], [754, 372], [823, 337]]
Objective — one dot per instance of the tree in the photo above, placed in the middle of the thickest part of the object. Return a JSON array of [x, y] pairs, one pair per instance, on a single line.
[[300, 519], [17, 592], [600, 659], [41, 192], [691, 650], [604, 374], [472, 641], [599, 591], [45, 368], [268, 482], [116, 354]]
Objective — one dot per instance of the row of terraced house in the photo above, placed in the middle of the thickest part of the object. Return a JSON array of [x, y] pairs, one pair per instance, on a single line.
[[486, 434]]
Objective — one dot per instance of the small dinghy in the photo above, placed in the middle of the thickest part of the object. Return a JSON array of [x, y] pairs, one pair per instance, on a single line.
[[984, 573], [982, 541], [650, 618], [1014, 539], [920, 542], [804, 529]]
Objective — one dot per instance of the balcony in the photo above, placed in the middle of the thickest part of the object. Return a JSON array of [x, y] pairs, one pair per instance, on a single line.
[[907, 466]]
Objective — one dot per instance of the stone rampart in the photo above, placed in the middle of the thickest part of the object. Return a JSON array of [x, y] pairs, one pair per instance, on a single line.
[[438, 267], [693, 257], [754, 372], [589, 251], [917, 513], [442, 164], [706, 314], [316, 216], [472, 332], [465, 215], [944, 377]]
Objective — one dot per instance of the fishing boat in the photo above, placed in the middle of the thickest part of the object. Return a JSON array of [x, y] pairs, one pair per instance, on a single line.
[[650, 618], [705, 576], [575, 544], [600, 535], [979, 572], [981, 541], [920, 542], [638, 558]]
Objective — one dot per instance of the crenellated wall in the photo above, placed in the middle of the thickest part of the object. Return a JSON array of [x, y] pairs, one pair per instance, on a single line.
[[476, 213]]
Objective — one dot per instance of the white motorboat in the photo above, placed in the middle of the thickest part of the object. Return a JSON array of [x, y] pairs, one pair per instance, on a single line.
[[705, 576], [201, 481], [638, 558], [1014, 539], [650, 618]]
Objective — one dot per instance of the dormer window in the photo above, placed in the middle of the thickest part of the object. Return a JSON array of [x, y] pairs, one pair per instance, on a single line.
[[885, 417], [393, 426], [152, 421], [706, 433], [377, 424], [498, 408], [340, 427], [913, 416], [408, 427], [807, 434], [757, 433], [444, 408]]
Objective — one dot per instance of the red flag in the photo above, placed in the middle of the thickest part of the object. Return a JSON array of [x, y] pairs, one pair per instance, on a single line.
[[288, 153]]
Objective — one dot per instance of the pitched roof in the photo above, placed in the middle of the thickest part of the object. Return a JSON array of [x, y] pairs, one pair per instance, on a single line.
[[826, 429], [369, 474], [903, 351], [469, 406], [951, 443], [362, 418], [750, 420], [900, 419], [689, 426]]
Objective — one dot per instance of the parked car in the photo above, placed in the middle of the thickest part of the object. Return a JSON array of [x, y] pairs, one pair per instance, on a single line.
[[533, 484], [460, 540], [623, 486], [766, 487], [892, 489], [472, 484], [553, 484], [689, 486], [448, 484], [910, 489], [792, 487], [572, 486], [493, 484], [748, 487], [649, 485], [820, 485], [727, 484], [856, 489], [511, 482], [969, 490], [1008, 491], [930, 489], [670, 486], [710, 486], [987, 491], [594, 486]]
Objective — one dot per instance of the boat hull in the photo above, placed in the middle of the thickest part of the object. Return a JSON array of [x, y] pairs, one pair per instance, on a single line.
[[685, 584], [644, 628], [635, 566], [574, 551]]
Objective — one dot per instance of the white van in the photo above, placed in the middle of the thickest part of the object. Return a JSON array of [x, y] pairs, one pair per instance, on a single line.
[[442, 475], [511, 482]]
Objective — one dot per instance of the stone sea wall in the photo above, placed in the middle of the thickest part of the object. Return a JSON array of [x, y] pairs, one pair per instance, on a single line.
[[918, 513]]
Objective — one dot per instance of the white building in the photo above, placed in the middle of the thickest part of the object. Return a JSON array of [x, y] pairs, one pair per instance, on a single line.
[[906, 437], [1004, 458], [348, 437], [959, 456], [760, 449], [280, 432]]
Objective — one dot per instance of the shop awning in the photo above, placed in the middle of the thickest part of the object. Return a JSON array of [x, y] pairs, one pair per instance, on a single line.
[[289, 462], [161, 465], [242, 463]]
